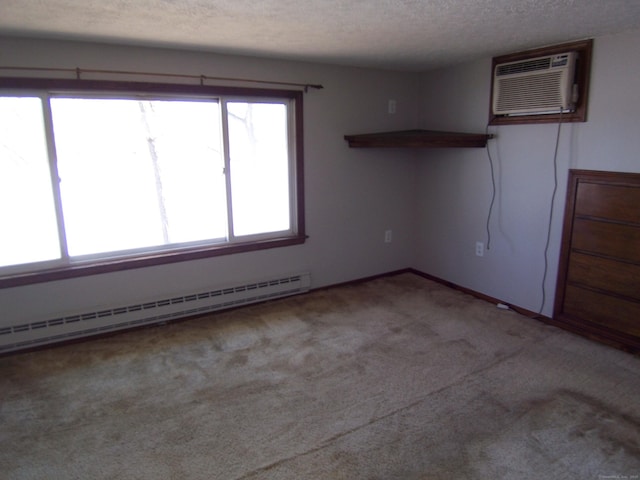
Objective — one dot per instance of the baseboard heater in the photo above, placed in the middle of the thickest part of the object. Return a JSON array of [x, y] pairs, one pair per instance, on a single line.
[[60, 328]]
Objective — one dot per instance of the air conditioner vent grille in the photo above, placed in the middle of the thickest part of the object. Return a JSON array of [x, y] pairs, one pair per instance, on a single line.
[[519, 93], [537, 86], [523, 67]]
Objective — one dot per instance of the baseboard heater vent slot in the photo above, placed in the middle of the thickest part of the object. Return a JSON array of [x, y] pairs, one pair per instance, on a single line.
[[61, 328]]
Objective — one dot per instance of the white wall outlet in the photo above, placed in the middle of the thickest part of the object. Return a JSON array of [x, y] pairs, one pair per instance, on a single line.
[[479, 249], [392, 106], [388, 236]]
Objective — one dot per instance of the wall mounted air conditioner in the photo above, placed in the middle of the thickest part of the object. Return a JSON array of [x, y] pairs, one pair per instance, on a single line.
[[535, 86]]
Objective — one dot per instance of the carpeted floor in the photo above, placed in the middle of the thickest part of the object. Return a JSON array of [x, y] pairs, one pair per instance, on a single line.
[[396, 378]]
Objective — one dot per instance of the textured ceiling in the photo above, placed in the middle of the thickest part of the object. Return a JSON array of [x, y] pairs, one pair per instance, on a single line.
[[410, 35]]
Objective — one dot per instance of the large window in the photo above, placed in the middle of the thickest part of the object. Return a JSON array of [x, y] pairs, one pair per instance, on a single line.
[[93, 178]]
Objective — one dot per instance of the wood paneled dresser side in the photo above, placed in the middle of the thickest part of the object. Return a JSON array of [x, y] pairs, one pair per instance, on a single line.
[[598, 289]]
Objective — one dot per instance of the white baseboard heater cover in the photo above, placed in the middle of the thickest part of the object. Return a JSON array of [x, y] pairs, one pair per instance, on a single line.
[[60, 328]]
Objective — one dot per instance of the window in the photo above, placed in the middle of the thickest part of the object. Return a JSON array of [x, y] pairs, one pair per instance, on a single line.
[[96, 179]]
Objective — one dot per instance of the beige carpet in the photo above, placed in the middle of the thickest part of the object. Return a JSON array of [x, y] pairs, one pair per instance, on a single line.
[[396, 378]]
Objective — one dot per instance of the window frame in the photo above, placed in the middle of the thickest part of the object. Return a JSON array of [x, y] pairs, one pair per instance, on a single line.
[[48, 271]]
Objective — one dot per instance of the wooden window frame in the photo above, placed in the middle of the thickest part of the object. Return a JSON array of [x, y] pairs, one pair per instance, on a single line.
[[148, 259], [584, 49]]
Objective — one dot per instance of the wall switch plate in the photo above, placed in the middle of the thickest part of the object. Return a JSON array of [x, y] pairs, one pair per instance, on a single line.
[[392, 106], [479, 249], [388, 235]]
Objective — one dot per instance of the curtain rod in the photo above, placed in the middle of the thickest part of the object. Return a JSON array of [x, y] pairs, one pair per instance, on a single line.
[[202, 78]]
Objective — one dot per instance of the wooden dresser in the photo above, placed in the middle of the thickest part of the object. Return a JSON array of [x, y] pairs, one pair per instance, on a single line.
[[598, 289]]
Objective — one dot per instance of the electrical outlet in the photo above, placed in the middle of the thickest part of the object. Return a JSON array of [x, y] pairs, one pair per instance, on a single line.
[[479, 249], [388, 235]]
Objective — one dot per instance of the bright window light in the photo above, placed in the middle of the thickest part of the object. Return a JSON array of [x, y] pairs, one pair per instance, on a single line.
[[27, 208], [260, 167], [161, 182]]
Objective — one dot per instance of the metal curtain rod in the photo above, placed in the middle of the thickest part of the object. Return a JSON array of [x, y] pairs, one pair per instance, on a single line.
[[202, 78]]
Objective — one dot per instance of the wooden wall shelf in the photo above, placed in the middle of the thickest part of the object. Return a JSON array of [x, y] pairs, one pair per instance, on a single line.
[[418, 139]]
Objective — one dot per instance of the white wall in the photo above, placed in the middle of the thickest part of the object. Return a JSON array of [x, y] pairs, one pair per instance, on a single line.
[[352, 196], [455, 185]]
